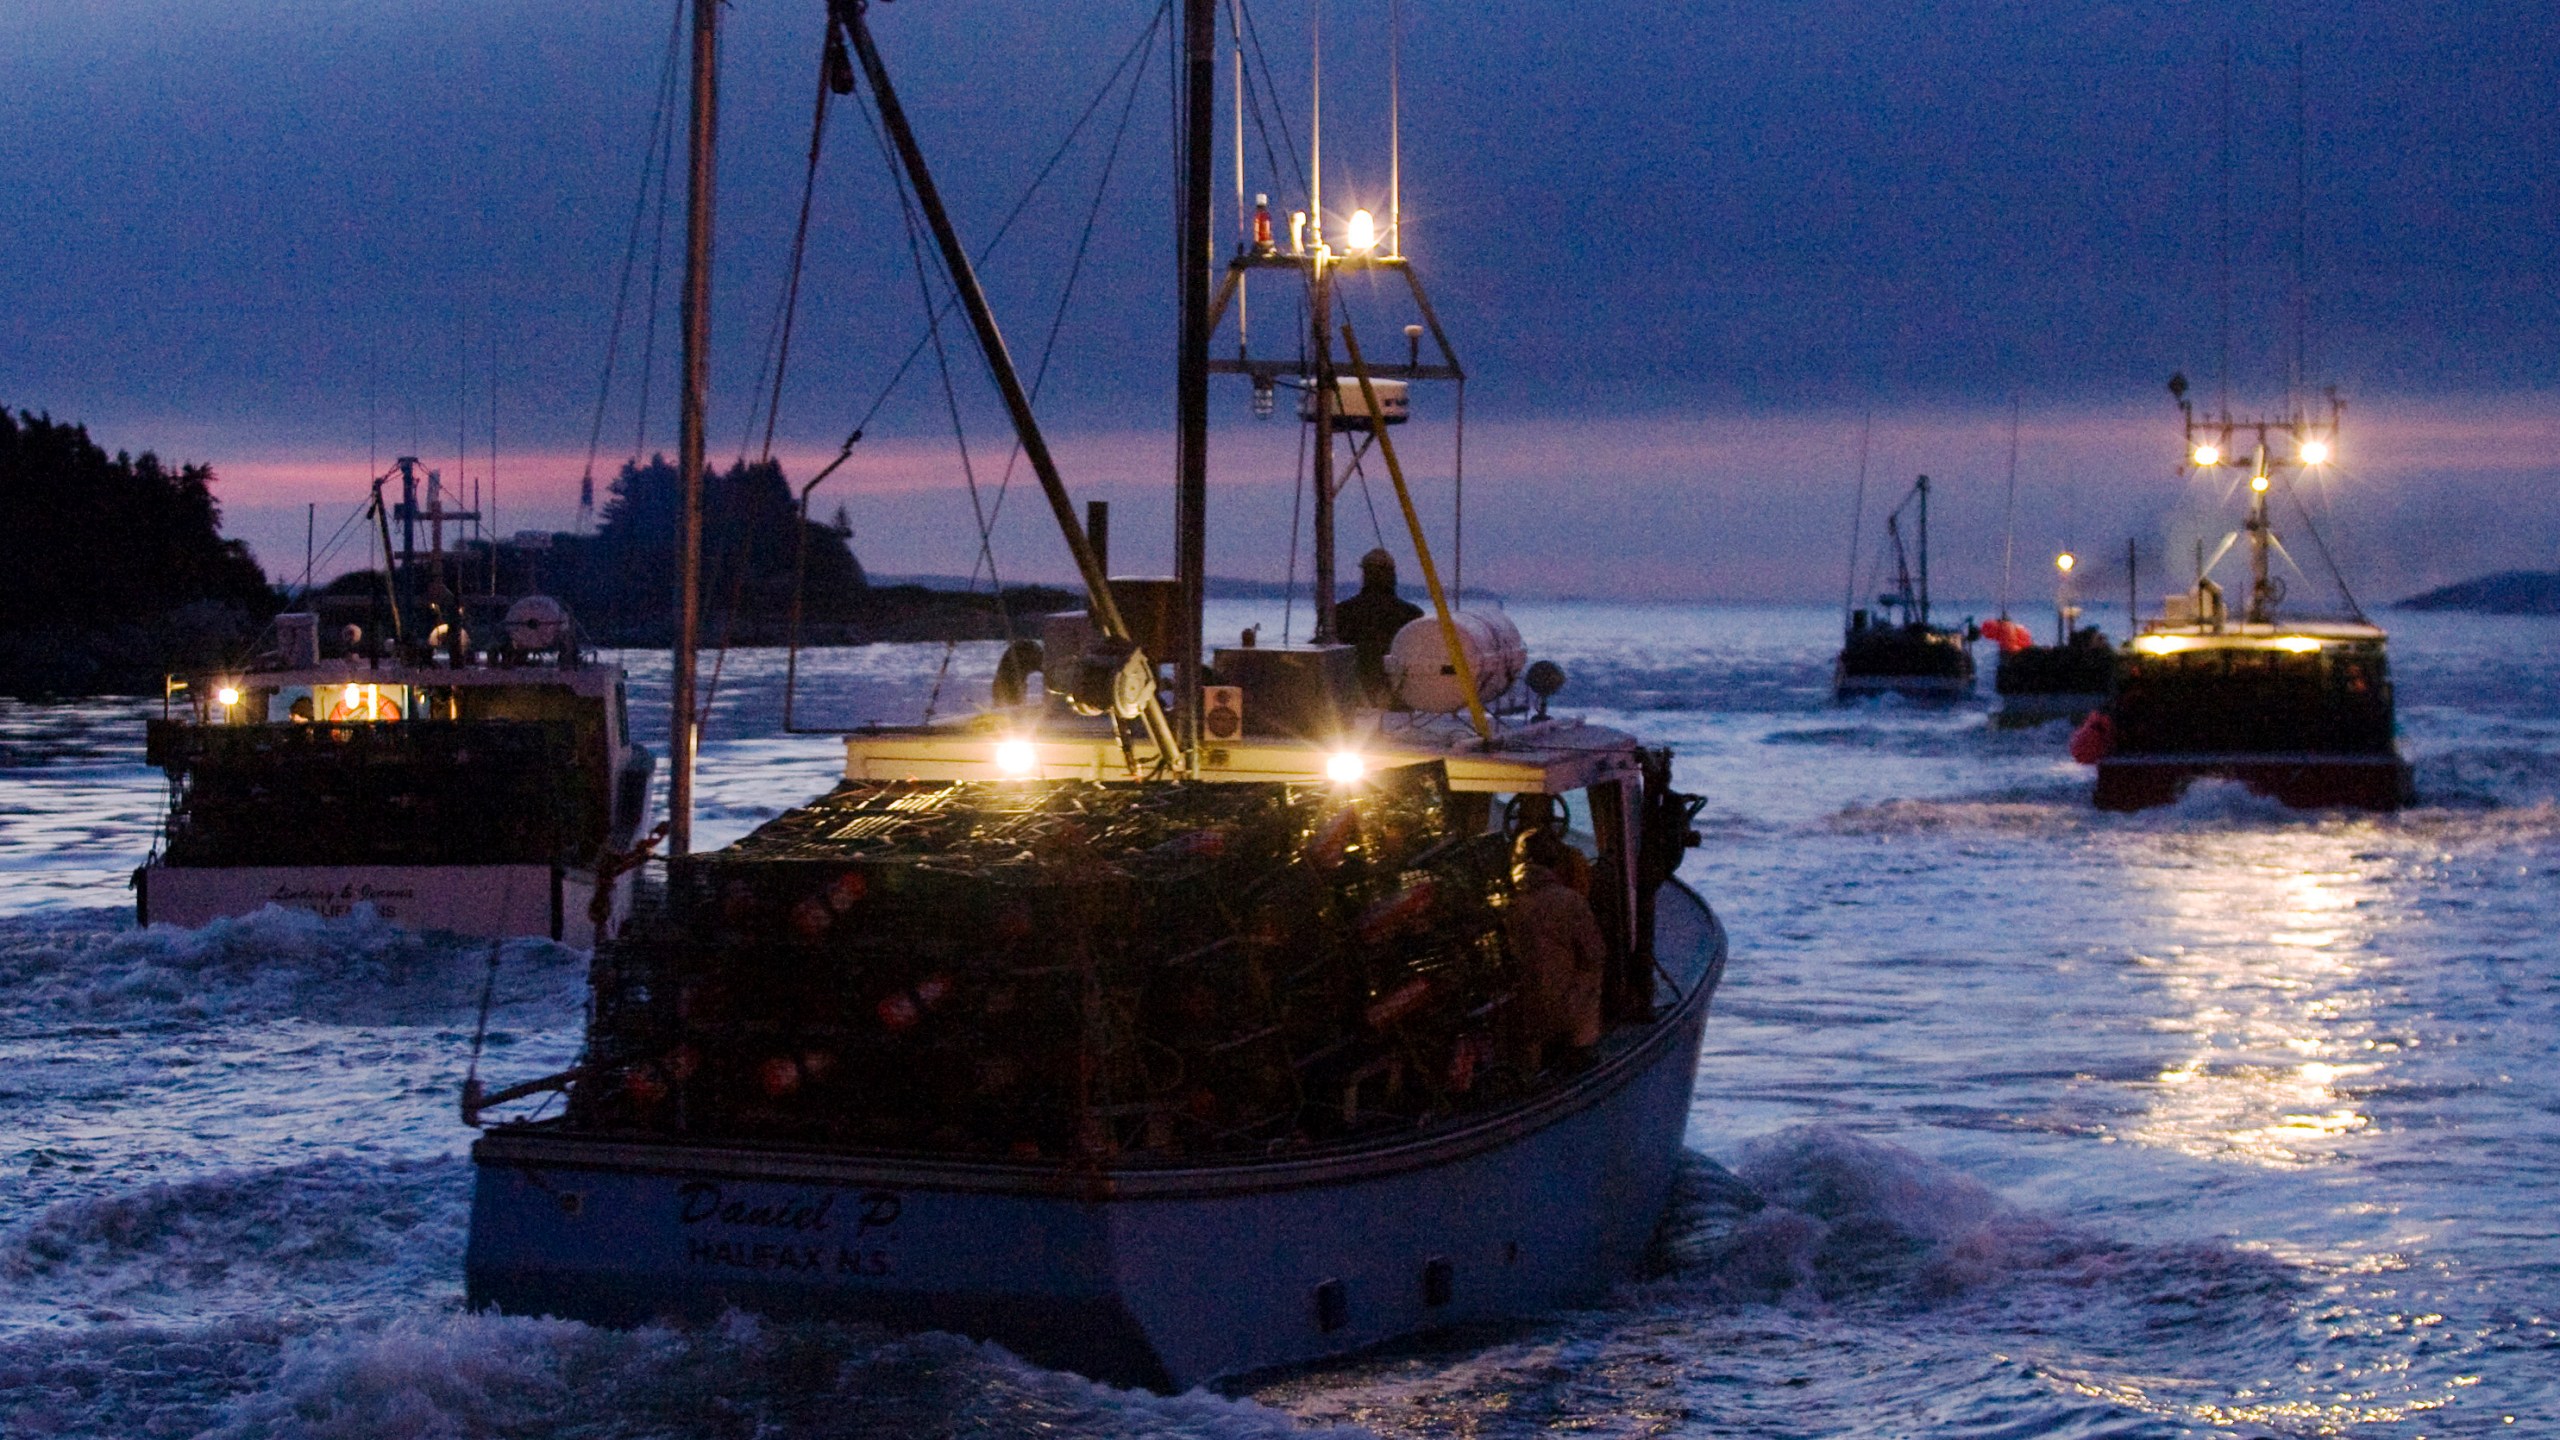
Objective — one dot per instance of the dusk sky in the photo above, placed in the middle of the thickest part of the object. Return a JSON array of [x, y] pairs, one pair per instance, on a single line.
[[1687, 250]]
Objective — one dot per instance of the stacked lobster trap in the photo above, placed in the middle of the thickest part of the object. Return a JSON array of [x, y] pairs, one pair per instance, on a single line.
[[1066, 969]]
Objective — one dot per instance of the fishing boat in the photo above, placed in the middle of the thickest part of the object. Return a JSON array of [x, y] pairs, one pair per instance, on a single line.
[[2296, 706], [1892, 648], [1168, 1029], [458, 763], [2066, 680]]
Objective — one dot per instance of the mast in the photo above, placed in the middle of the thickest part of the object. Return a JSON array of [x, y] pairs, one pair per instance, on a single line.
[[1924, 549], [701, 137], [1191, 377]]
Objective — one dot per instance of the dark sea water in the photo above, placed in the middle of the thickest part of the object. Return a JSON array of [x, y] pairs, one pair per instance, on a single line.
[[2014, 1119]]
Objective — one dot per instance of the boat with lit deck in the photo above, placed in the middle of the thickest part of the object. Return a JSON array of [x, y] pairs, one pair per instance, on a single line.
[[1173, 1024], [450, 784], [2298, 707]]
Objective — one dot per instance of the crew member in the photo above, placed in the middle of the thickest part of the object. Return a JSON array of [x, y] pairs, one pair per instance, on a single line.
[[1368, 622], [1561, 953]]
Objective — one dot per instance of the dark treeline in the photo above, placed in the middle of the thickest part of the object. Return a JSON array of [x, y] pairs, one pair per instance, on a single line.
[[117, 572], [620, 582]]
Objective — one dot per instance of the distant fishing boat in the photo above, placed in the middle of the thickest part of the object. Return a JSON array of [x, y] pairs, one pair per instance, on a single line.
[[2295, 706], [480, 783], [1164, 1040], [2066, 680], [1893, 648]]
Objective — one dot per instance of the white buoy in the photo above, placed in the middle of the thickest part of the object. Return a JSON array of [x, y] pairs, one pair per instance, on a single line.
[[1418, 662]]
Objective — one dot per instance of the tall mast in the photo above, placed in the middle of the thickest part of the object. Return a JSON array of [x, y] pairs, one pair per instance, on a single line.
[[701, 139], [1191, 378], [1924, 549]]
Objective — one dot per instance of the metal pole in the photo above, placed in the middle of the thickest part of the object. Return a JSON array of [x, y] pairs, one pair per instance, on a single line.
[[1321, 310], [1191, 562], [702, 137], [1421, 546]]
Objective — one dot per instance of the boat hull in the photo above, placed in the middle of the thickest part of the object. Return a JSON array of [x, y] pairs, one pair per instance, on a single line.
[[1940, 688], [485, 901], [2019, 709], [2304, 782], [1161, 1276]]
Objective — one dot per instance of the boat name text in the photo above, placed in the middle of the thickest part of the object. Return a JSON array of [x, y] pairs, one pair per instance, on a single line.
[[704, 1200]]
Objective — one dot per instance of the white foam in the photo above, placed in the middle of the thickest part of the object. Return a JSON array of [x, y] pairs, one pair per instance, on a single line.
[[275, 962]]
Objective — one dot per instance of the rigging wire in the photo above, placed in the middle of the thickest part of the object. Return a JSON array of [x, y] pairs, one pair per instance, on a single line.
[[2294, 494], [666, 139], [787, 306], [951, 402], [1857, 515], [1005, 226], [2009, 512], [1075, 273], [1297, 503]]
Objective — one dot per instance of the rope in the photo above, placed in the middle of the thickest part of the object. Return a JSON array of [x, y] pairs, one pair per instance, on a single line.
[[658, 247], [1003, 227], [1297, 503], [649, 169], [2323, 546], [778, 351]]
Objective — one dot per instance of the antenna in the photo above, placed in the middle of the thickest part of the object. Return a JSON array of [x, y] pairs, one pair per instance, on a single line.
[[1315, 125], [2009, 511], [2222, 365], [1395, 129], [2301, 224]]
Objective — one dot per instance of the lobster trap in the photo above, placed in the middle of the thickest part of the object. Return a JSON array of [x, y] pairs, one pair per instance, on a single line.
[[1066, 969]]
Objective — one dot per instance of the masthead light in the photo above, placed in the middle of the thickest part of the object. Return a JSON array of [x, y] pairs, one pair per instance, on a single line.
[[1363, 235], [2315, 452], [2207, 454], [2064, 561], [2258, 483], [1016, 758]]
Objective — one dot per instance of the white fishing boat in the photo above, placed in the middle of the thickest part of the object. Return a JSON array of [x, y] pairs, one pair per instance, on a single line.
[[479, 784], [1174, 1024]]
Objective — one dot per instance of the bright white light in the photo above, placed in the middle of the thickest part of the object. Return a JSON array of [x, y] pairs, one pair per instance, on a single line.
[[228, 695], [2298, 644], [2064, 561], [2315, 452], [2258, 483], [1345, 767], [1364, 232], [1016, 757], [2163, 644], [2208, 455]]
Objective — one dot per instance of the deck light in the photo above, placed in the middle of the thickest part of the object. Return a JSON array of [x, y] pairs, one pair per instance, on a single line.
[[1364, 232], [2298, 644], [2162, 644], [1345, 767], [1016, 757], [2208, 454], [2064, 561], [2315, 452], [227, 696]]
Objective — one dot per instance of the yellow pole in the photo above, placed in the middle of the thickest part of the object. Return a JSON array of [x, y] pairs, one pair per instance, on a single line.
[[1421, 547]]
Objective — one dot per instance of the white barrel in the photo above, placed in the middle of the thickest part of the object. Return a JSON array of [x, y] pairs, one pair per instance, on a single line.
[[1419, 669]]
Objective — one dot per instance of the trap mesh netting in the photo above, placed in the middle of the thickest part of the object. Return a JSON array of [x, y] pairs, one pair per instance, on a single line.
[[1066, 969]]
